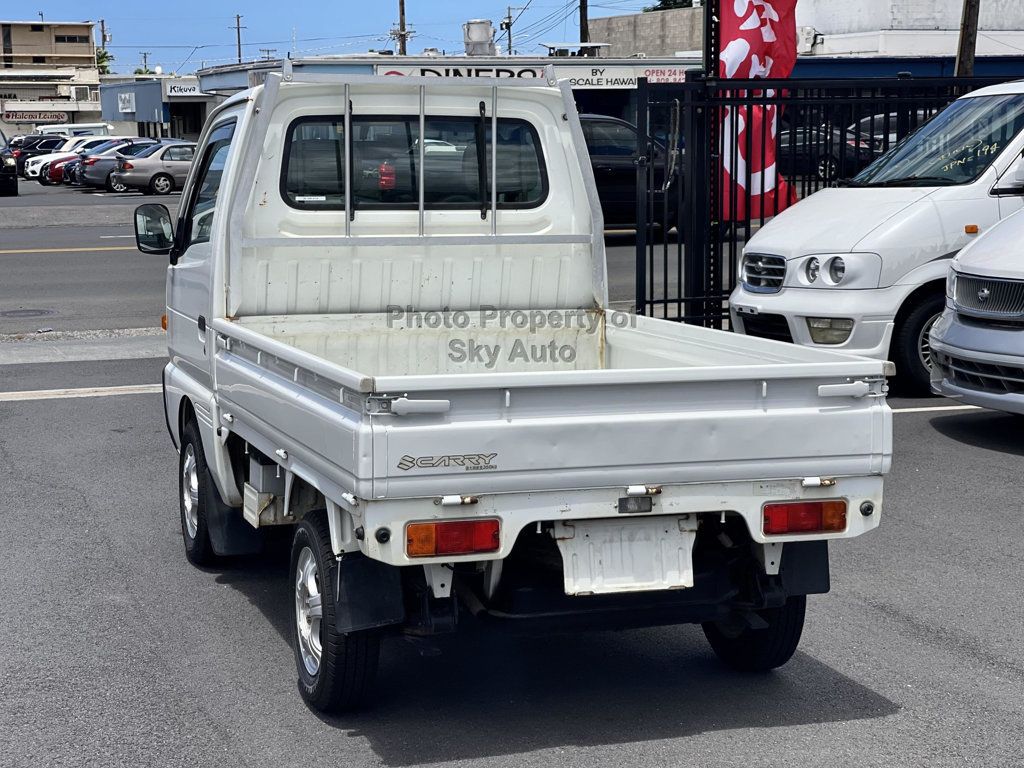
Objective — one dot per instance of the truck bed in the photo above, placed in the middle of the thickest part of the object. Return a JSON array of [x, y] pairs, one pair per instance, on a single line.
[[656, 403]]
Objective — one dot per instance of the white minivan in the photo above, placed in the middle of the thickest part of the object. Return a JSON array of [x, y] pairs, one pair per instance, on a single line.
[[862, 268]]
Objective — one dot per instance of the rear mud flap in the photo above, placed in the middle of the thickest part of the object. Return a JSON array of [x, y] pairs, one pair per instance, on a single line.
[[368, 594]]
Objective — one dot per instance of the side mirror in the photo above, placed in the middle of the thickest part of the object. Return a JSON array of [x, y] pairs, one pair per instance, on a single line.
[[1012, 182], [154, 232]]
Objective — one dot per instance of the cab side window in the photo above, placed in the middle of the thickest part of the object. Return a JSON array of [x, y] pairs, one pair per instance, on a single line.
[[198, 217]]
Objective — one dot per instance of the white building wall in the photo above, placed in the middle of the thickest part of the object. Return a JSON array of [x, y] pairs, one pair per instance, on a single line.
[[846, 16]]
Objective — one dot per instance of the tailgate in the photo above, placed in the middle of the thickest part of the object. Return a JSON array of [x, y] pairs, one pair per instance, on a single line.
[[552, 437]]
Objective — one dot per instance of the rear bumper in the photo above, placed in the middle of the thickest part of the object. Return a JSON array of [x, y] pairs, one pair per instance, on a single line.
[[978, 364], [519, 511], [130, 179]]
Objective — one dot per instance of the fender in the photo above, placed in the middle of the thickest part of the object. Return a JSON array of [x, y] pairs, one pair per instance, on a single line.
[[177, 387]]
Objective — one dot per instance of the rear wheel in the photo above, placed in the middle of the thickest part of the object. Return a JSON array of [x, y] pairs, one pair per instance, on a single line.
[[760, 650], [115, 186], [161, 184], [336, 670], [911, 346]]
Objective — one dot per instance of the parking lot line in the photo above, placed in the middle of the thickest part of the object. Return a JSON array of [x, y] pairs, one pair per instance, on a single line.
[[13, 251], [62, 394], [933, 408]]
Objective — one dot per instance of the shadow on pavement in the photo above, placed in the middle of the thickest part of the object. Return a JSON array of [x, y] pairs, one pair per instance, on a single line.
[[984, 429], [489, 693]]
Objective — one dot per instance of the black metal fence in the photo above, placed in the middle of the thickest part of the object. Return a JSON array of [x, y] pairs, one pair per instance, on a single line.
[[823, 132]]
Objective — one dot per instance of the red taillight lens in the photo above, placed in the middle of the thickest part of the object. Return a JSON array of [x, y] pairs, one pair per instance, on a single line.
[[16, 153], [804, 517], [386, 176], [126, 166], [452, 537], [89, 161]]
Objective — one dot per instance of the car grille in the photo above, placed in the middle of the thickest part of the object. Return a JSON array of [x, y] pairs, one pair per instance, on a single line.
[[763, 273], [985, 377], [990, 297], [767, 327]]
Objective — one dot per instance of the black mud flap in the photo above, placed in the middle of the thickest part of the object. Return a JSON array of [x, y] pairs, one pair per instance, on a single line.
[[368, 594], [804, 568], [230, 534]]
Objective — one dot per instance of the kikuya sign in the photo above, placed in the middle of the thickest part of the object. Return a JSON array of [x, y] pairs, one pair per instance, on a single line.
[[179, 89]]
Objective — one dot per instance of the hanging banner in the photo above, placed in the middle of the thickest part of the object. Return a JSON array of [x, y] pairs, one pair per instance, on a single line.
[[758, 40]]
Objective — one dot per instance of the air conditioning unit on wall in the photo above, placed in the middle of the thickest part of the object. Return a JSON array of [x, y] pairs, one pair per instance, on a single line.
[[80, 93]]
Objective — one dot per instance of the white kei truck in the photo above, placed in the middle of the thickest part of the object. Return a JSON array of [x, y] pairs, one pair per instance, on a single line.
[[388, 327]]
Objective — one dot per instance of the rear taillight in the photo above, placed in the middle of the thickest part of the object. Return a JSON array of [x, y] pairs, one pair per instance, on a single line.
[[452, 537], [804, 517], [126, 166], [89, 161], [16, 153], [386, 178]]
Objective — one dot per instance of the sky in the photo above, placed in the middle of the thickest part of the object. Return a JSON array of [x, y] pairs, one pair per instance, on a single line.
[[183, 35]]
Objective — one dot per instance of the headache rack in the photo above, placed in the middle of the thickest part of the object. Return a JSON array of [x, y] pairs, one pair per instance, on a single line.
[[265, 110]]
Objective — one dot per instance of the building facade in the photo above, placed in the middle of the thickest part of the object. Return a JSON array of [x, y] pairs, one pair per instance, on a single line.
[[158, 107], [48, 74]]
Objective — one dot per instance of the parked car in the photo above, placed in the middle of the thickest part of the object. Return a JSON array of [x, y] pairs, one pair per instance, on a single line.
[[814, 151], [78, 145], [157, 170], [36, 144], [72, 171], [97, 169], [862, 268], [53, 171], [612, 144], [77, 129], [592, 468], [976, 345], [8, 169]]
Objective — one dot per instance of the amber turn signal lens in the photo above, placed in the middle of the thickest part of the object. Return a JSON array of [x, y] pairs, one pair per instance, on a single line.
[[971, 229], [163, 321], [452, 537], [804, 517]]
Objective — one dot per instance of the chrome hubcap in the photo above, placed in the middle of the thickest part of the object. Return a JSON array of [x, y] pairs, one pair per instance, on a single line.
[[162, 185], [309, 610], [924, 345], [190, 491]]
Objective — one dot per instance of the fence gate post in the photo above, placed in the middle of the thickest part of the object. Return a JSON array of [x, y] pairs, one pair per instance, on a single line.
[[697, 170]]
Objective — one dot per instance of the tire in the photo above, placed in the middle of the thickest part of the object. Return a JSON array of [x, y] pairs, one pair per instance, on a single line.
[[760, 650], [828, 169], [195, 486], [161, 184], [910, 350], [336, 670], [114, 186]]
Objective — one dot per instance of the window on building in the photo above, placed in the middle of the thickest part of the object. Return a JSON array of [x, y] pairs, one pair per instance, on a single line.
[[76, 39], [38, 59], [37, 27]]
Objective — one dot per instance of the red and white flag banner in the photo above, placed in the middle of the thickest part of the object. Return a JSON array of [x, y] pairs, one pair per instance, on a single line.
[[758, 39]]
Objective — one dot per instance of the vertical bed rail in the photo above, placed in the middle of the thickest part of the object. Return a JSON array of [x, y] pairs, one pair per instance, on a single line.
[[348, 161], [422, 153]]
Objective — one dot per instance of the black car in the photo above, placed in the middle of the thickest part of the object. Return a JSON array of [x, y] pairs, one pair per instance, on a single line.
[[827, 154], [37, 144], [612, 144], [8, 169]]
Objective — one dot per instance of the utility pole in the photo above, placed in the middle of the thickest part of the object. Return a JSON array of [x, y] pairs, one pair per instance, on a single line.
[[584, 23], [103, 35], [968, 39], [267, 53], [508, 21], [403, 33], [145, 60], [238, 36]]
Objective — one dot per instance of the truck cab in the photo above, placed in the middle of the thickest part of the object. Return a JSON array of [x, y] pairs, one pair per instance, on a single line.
[[861, 268]]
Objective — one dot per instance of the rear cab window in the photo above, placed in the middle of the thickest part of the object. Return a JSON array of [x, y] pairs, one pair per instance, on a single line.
[[384, 159]]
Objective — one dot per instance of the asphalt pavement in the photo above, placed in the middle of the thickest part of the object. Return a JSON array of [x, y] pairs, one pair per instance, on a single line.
[[115, 652]]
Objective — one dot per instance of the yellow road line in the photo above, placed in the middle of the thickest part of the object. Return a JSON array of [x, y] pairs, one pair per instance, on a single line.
[[62, 394], [68, 250]]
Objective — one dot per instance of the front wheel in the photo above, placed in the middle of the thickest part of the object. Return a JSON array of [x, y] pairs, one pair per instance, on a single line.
[[911, 346], [336, 669], [161, 184], [760, 650], [194, 489]]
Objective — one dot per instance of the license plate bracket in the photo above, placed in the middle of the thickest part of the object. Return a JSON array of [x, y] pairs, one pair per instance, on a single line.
[[607, 556]]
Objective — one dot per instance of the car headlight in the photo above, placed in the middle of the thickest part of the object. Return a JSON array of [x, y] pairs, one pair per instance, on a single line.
[[836, 270], [812, 268], [10, 161]]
